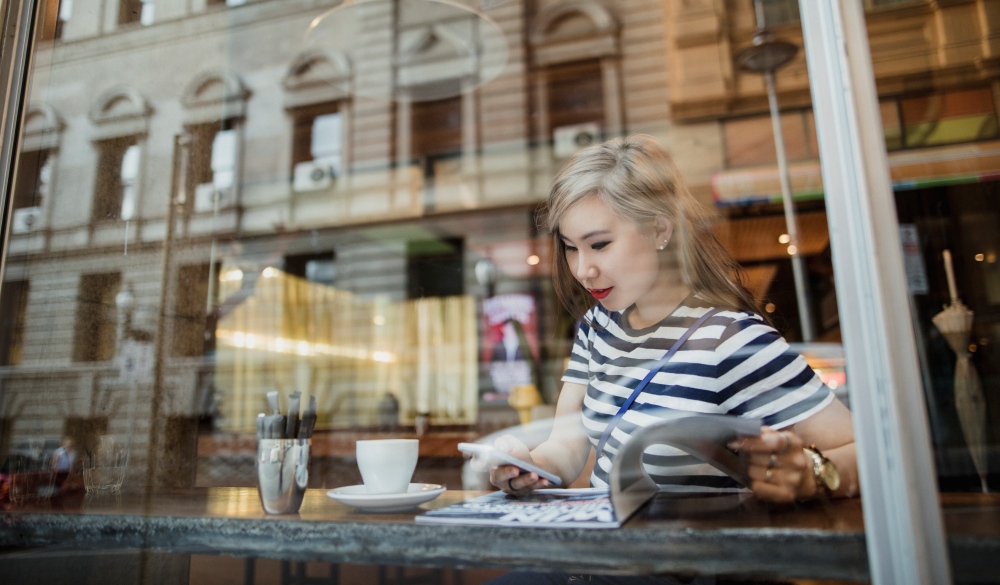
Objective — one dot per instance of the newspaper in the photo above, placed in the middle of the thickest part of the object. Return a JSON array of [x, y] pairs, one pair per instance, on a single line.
[[703, 436]]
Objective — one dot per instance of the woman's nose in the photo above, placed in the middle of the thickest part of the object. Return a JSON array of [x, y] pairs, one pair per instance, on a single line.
[[585, 268]]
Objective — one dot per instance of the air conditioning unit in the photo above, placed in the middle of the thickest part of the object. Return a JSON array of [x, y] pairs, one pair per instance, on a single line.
[[26, 219], [313, 175], [206, 194], [569, 139]]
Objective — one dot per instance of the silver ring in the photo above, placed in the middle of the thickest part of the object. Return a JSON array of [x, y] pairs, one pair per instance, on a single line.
[[767, 475], [772, 461]]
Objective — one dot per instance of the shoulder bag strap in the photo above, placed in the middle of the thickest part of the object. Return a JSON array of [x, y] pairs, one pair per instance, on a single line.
[[652, 372]]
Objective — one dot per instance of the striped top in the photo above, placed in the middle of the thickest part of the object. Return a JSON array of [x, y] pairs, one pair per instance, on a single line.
[[733, 364]]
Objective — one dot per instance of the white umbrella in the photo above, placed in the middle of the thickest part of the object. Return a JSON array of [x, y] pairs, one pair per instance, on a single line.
[[955, 323]]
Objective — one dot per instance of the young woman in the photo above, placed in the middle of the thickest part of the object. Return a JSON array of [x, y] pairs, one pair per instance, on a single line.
[[636, 259]]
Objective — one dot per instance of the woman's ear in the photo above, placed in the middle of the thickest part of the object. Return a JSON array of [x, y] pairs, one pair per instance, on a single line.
[[664, 231]]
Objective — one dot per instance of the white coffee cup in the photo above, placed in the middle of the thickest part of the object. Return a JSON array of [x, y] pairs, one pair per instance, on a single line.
[[387, 464]]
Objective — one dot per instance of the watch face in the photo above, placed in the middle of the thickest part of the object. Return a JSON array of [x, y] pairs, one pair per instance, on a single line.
[[830, 476]]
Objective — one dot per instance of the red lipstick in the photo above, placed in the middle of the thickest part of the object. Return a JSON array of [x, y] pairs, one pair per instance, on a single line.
[[600, 293]]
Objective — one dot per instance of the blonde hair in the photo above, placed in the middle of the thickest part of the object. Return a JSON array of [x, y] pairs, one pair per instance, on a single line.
[[637, 179]]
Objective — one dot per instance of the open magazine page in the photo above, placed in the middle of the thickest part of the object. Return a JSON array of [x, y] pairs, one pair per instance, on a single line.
[[702, 435], [553, 508]]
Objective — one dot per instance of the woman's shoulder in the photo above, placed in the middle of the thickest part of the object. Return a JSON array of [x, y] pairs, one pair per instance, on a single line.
[[695, 306]]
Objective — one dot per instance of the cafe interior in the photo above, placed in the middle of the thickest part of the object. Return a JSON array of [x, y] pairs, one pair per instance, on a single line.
[[339, 201]]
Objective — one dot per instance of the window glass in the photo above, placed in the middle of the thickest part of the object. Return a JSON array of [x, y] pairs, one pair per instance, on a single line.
[[96, 317], [130, 11], [218, 200], [117, 169], [12, 317], [890, 123], [750, 141]]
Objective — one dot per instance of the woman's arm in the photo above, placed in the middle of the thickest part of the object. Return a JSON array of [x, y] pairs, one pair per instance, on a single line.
[[782, 472], [831, 430], [564, 453]]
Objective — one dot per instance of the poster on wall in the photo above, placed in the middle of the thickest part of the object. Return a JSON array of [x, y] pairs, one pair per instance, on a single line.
[[508, 354]]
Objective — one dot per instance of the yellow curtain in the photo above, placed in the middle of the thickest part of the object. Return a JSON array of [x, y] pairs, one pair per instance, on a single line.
[[348, 352]]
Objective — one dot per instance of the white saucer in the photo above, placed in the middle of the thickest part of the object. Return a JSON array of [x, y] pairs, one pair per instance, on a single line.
[[356, 496]]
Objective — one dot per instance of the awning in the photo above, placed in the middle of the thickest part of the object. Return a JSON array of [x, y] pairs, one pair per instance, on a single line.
[[910, 169]]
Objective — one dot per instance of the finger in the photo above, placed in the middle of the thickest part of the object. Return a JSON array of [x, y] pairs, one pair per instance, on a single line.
[[775, 475], [772, 493], [500, 476], [771, 441], [522, 483], [794, 459], [768, 459]]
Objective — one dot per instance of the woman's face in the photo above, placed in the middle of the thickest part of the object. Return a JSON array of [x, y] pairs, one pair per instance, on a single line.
[[616, 262]]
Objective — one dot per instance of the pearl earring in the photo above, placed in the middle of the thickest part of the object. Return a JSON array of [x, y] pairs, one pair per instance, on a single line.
[[663, 246]]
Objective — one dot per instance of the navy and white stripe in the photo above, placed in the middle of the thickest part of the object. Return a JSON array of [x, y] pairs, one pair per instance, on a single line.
[[733, 364]]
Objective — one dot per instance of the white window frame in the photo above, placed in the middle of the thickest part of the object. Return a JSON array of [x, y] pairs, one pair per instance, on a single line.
[[903, 526]]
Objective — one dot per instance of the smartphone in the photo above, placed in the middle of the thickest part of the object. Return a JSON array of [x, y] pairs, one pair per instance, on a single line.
[[491, 453]]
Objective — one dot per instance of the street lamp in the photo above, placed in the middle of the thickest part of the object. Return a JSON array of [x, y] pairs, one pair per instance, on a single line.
[[766, 56]]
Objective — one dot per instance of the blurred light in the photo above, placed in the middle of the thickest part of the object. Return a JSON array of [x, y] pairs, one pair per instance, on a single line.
[[232, 274], [784, 239], [270, 272], [769, 307], [980, 257], [792, 250], [833, 384], [991, 258], [379, 320], [972, 348], [533, 260], [301, 347]]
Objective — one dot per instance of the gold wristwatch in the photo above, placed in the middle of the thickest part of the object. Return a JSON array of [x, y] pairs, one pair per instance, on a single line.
[[825, 472]]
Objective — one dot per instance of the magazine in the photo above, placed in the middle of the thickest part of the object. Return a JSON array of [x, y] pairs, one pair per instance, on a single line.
[[549, 508], [703, 436]]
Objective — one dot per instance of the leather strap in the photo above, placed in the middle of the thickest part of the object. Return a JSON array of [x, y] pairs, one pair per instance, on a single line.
[[652, 372]]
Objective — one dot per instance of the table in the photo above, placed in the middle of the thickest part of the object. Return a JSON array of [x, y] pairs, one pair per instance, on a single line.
[[822, 540]]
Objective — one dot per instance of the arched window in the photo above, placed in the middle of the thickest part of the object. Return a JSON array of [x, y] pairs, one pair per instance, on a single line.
[[121, 122], [33, 182], [215, 107], [317, 87], [575, 50], [437, 70]]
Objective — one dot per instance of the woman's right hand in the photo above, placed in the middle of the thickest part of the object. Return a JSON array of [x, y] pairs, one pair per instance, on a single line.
[[511, 479]]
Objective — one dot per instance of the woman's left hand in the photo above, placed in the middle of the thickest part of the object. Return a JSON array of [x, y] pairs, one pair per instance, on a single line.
[[778, 467]]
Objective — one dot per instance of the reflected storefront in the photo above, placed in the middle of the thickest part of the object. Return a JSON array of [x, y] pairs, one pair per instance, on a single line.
[[209, 200]]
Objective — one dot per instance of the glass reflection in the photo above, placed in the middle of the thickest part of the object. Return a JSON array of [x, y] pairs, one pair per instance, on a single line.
[[214, 199]]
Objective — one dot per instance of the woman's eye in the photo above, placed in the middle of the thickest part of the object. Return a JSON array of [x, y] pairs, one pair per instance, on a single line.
[[569, 248], [599, 245]]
